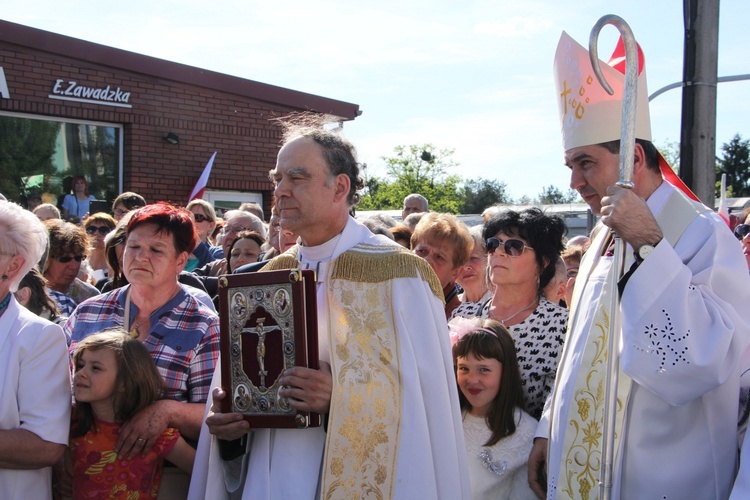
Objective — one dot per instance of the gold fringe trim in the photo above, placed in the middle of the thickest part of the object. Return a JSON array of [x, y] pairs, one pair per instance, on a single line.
[[368, 263], [284, 261], [377, 263]]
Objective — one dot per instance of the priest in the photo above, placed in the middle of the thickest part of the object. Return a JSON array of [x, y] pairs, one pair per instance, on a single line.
[[385, 385]]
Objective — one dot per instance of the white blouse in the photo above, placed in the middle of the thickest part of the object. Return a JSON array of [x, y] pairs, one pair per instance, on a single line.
[[499, 471]]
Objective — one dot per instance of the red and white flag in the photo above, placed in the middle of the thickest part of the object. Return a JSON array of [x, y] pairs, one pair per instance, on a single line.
[[723, 208], [200, 186]]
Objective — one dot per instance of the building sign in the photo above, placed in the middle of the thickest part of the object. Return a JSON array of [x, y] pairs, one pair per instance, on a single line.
[[73, 91], [4, 93]]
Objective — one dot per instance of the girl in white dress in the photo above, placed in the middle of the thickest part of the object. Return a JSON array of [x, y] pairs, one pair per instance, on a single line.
[[498, 433]]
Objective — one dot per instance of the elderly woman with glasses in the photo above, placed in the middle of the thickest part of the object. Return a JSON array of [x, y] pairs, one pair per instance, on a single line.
[[523, 247], [236, 222], [34, 369], [474, 279], [68, 247]]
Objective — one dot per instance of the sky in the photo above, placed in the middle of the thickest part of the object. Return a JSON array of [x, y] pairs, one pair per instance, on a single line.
[[471, 76]]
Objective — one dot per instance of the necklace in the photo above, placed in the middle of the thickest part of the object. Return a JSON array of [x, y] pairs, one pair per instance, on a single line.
[[134, 330], [5, 302], [502, 321]]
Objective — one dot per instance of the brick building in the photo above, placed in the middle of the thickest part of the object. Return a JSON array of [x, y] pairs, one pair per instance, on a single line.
[[130, 122]]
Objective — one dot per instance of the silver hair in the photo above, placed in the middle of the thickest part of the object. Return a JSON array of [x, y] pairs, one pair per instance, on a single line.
[[476, 233], [415, 196], [21, 233], [256, 224]]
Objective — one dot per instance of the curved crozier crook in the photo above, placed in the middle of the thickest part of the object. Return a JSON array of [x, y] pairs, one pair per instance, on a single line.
[[630, 97]]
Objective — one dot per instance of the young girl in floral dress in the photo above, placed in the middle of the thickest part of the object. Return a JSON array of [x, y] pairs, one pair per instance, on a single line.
[[114, 378], [498, 433]]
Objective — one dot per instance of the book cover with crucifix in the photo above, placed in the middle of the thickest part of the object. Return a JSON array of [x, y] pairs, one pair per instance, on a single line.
[[268, 324]]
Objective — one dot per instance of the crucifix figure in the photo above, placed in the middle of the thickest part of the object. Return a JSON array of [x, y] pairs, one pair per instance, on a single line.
[[261, 332]]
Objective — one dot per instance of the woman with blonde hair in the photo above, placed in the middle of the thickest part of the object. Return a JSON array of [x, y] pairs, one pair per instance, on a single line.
[[204, 216], [98, 226], [445, 243]]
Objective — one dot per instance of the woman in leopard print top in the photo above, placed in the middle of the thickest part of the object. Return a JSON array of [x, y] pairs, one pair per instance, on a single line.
[[523, 247]]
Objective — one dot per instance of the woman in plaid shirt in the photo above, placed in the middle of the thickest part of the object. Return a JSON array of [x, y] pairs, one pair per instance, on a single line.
[[181, 334]]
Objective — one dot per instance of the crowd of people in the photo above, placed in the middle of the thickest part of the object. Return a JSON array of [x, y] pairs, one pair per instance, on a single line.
[[455, 361]]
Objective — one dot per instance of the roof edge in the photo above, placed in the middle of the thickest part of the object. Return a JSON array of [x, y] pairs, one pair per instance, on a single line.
[[75, 48]]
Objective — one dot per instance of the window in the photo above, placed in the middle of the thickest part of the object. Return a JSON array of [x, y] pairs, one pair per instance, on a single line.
[[41, 155]]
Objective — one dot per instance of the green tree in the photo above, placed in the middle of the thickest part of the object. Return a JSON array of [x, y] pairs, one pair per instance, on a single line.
[[26, 148], [482, 193], [551, 195], [670, 150], [419, 169], [735, 162]]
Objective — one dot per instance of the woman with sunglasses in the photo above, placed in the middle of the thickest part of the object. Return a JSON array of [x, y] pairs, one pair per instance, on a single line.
[[204, 216], [68, 247], [97, 226], [523, 247]]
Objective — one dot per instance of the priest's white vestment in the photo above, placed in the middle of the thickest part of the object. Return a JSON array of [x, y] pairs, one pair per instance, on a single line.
[[686, 322], [394, 428]]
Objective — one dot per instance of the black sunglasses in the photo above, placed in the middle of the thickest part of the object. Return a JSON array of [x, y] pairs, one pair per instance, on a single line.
[[67, 258], [741, 231], [201, 218], [103, 230], [512, 247]]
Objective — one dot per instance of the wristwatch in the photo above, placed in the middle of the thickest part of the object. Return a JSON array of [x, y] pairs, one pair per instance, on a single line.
[[642, 252]]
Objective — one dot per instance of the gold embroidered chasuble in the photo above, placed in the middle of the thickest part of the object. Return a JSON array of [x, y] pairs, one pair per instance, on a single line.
[[366, 402], [581, 461]]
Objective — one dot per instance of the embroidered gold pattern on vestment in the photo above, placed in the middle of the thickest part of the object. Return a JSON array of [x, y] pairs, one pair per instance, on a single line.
[[583, 458], [366, 402], [363, 431]]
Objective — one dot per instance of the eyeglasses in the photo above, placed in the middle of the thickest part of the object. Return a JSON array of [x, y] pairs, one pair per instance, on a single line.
[[511, 247], [234, 229], [741, 231], [201, 218], [67, 258], [119, 212], [103, 230]]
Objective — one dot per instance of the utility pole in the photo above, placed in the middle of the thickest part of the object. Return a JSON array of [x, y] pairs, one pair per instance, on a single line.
[[698, 131]]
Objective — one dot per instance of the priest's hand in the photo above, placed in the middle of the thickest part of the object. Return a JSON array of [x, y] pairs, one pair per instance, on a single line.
[[307, 389], [537, 466], [226, 426], [629, 216]]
